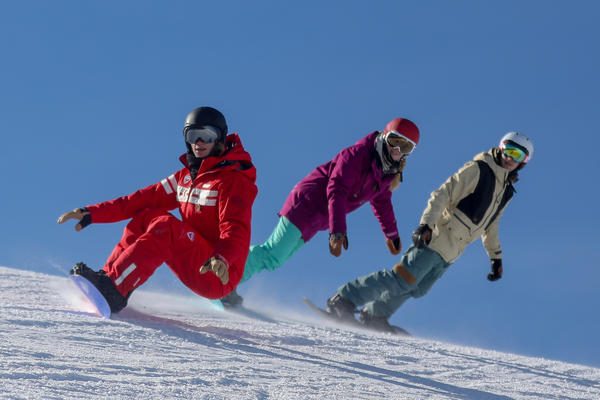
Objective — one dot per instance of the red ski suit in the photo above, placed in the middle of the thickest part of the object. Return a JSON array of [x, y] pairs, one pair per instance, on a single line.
[[216, 209]]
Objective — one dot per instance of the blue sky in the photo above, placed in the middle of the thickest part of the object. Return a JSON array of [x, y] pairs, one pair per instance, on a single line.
[[94, 95]]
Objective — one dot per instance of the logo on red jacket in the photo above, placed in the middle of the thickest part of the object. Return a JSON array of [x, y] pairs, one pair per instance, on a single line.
[[191, 236], [187, 179]]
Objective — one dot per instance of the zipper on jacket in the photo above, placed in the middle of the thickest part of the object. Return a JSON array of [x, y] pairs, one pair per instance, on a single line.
[[462, 222]]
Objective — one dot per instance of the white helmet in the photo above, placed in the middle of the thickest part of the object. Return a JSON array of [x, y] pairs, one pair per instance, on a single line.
[[521, 140]]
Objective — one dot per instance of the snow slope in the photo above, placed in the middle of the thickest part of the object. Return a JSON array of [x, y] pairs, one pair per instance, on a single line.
[[164, 347]]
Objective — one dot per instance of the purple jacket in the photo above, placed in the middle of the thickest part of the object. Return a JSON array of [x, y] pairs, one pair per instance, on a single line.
[[322, 199]]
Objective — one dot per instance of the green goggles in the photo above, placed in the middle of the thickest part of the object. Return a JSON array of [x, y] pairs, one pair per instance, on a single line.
[[516, 153]]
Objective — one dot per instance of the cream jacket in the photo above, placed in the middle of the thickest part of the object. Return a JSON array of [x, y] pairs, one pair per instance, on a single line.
[[468, 206]]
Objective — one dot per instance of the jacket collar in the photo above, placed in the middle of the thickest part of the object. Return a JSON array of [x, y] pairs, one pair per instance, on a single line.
[[491, 157], [234, 152]]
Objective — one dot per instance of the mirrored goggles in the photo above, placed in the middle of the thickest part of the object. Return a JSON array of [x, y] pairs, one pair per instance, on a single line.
[[514, 152], [206, 134], [397, 140]]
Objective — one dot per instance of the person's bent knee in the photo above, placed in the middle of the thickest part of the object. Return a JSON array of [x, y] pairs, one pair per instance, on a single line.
[[402, 272]]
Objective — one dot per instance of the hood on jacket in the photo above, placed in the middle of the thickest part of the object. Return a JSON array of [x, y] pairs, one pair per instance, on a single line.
[[388, 165]]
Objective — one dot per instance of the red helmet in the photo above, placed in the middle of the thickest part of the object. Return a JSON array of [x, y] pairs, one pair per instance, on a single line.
[[404, 127]]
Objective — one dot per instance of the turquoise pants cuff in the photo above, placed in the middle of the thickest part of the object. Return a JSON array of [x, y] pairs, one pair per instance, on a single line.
[[284, 241]]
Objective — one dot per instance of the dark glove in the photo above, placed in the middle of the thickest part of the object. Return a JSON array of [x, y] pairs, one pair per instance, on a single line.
[[422, 236], [395, 246], [336, 242], [81, 214], [496, 270]]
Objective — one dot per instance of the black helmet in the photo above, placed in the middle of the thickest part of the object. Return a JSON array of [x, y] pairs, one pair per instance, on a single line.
[[203, 116]]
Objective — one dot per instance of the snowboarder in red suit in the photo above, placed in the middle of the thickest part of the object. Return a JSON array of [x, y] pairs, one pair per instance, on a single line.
[[207, 248]]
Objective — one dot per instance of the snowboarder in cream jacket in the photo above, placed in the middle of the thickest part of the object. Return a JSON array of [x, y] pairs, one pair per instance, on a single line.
[[466, 207]]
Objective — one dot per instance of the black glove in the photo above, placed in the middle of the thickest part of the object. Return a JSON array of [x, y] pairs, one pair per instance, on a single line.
[[395, 246], [496, 270], [422, 236]]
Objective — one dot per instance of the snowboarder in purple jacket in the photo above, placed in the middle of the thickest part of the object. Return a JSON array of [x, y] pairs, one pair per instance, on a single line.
[[367, 171]]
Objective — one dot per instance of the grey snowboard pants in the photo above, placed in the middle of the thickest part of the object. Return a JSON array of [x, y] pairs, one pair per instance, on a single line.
[[383, 292]]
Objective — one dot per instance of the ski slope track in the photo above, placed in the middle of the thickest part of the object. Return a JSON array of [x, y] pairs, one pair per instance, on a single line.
[[175, 347]]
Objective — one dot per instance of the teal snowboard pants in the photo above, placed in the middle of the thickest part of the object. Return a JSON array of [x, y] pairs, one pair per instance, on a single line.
[[285, 240], [382, 293]]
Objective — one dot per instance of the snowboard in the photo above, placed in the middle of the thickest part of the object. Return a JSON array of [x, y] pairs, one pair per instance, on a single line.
[[353, 322], [88, 297]]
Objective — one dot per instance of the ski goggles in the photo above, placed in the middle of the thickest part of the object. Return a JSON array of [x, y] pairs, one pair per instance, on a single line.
[[206, 134], [398, 141], [516, 153]]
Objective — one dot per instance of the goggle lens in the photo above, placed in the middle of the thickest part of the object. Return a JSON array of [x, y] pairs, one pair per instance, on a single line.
[[206, 134], [517, 154], [397, 140]]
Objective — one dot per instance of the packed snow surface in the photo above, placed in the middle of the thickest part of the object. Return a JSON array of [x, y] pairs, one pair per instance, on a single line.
[[164, 347]]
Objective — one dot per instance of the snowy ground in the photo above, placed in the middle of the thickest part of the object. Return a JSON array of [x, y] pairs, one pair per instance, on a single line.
[[164, 347]]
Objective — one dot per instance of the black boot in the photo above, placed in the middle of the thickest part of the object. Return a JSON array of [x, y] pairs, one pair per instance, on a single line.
[[340, 307], [376, 323], [104, 284], [232, 300]]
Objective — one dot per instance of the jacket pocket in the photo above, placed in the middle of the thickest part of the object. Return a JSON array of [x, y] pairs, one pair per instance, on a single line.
[[458, 230]]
